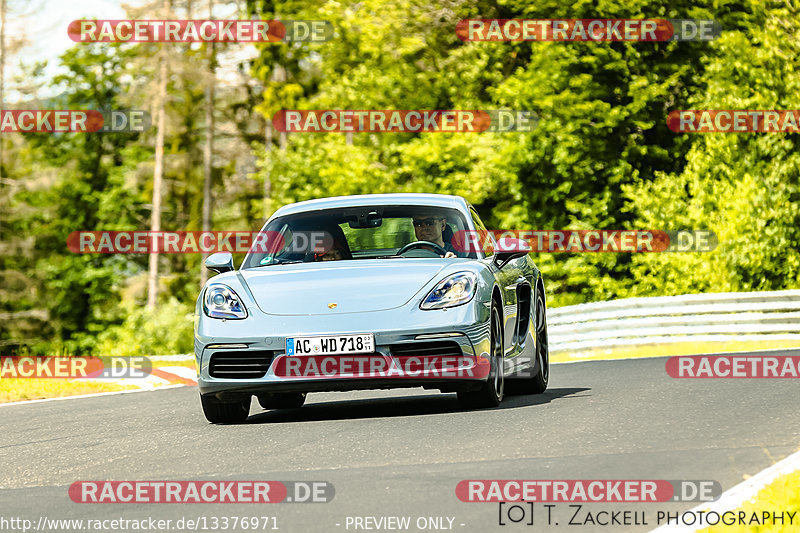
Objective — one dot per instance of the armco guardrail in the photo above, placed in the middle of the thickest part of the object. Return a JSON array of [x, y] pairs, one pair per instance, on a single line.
[[706, 317]]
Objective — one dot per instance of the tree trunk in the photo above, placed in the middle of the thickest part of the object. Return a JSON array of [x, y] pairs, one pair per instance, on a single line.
[[208, 149], [268, 169], [2, 73], [279, 75], [158, 172]]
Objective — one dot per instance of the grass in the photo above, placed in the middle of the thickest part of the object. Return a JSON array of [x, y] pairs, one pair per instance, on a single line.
[[674, 348], [782, 495], [159, 362], [20, 389], [17, 390]]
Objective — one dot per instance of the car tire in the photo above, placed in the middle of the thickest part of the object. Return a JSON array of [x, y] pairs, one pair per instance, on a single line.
[[220, 412], [538, 384], [491, 393], [286, 400]]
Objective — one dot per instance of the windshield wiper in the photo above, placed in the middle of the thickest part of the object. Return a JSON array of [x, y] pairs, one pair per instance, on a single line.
[[280, 262]]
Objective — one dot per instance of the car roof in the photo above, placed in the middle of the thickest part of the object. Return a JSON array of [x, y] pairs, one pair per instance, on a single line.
[[415, 199]]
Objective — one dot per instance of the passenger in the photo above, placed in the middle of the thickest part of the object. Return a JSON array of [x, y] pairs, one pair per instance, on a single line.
[[336, 252]]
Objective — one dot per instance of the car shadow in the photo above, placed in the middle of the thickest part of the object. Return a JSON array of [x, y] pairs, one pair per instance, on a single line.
[[430, 404]]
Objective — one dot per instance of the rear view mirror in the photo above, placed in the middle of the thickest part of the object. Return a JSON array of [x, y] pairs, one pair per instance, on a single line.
[[220, 262], [359, 220]]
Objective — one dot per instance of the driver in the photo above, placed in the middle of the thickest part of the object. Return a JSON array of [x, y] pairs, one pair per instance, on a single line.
[[429, 227]]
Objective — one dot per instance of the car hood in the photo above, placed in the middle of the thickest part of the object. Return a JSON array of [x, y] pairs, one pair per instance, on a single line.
[[353, 286]]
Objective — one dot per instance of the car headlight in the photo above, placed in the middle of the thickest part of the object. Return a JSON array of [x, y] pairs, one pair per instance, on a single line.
[[220, 301], [454, 290]]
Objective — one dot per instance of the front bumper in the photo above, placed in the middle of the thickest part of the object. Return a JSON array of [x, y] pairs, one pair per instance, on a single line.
[[464, 329]]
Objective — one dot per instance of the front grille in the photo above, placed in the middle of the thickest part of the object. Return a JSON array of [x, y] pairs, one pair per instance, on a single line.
[[426, 349], [241, 364]]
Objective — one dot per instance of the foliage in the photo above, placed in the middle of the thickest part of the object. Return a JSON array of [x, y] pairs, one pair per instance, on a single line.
[[744, 187], [161, 331], [600, 157]]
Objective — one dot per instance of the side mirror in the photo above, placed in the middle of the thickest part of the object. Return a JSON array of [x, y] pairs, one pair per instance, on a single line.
[[509, 249], [220, 262]]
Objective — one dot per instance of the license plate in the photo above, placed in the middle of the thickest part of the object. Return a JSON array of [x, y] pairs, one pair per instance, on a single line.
[[330, 344]]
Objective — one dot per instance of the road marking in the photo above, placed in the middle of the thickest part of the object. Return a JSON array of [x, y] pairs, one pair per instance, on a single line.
[[167, 377], [93, 395], [176, 374], [733, 498]]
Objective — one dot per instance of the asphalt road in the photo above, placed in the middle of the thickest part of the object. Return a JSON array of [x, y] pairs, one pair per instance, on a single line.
[[401, 453]]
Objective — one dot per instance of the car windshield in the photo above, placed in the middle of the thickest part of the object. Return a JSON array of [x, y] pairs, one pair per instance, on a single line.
[[356, 233]]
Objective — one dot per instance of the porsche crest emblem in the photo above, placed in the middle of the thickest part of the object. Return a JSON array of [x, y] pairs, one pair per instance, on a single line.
[[332, 305]]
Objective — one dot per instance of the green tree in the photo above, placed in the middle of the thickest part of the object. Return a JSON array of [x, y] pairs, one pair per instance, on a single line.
[[745, 187]]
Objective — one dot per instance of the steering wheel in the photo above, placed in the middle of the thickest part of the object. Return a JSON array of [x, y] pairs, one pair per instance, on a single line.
[[422, 244]]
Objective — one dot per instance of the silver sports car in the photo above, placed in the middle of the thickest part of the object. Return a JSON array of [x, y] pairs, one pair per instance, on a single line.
[[371, 292]]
